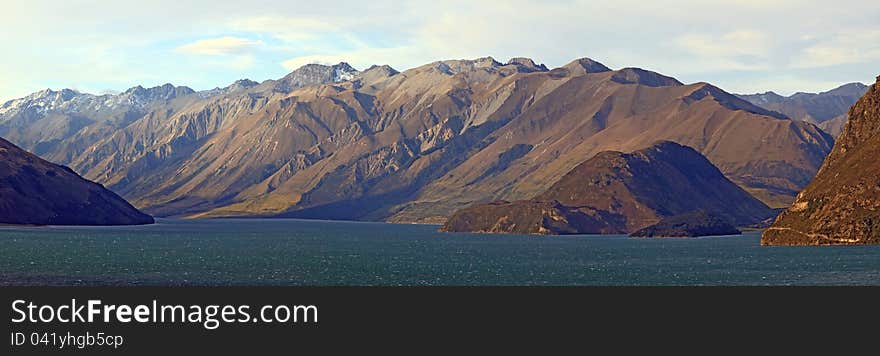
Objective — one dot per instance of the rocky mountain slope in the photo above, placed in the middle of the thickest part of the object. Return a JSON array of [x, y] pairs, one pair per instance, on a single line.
[[36, 192], [842, 204], [414, 146], [827, 109], [61, 125], [616, 192]]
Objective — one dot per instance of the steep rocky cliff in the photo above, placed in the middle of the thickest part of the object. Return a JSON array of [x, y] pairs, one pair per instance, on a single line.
[[841, 205]]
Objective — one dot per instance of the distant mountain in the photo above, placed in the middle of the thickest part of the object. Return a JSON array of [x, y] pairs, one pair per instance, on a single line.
[[60, 125], [616, 192], [841, 206], [834, 126], [413, 146], [313, 74], [36, 192], [237, 86], [827, 109]]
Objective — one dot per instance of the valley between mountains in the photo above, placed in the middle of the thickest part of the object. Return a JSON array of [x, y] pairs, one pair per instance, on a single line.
[[334, 142]]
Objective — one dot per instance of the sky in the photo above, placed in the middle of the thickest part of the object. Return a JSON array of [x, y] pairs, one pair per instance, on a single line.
[[742, 46]]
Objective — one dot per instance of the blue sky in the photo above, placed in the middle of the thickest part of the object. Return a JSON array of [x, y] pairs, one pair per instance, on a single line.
[[741, 45]]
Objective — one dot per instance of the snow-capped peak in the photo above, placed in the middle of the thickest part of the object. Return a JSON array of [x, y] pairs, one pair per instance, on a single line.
[[315, 74], [343, 74], [41, 101], [69, 101]]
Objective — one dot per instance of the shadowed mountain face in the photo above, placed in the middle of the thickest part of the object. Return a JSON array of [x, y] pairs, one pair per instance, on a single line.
[[693, 224], [842, 204], [36, 192], [616, 192], [827, 110], [414, 146]]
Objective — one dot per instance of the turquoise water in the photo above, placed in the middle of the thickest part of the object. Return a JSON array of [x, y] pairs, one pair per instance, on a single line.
[[308, 252]]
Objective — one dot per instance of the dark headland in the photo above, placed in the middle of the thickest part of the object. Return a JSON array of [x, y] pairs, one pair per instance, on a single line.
[[694, 224], [36, 192]]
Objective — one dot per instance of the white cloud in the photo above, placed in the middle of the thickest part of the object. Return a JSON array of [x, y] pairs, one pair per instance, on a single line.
[[288, 29], [843, 47], [220, 46], [740, 50], [719, 41], [741, 42]]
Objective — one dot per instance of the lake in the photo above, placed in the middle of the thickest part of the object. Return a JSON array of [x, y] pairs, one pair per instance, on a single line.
[[311, 252]]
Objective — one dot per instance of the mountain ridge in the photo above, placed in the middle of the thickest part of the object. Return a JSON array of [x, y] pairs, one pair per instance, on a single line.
[[827, 109], [413, 146]]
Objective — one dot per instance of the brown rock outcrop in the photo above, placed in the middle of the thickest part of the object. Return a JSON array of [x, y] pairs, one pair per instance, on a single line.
[[841, 206]]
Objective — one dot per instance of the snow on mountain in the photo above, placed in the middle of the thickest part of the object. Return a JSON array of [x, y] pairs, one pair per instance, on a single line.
[[236, 86], [343, 72], [70, 101]]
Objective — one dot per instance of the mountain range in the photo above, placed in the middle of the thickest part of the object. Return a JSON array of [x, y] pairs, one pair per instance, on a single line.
[[827, 109], [337, 143]]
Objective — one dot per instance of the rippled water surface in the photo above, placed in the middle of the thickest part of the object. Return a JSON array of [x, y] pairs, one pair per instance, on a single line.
[[308, 252]]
